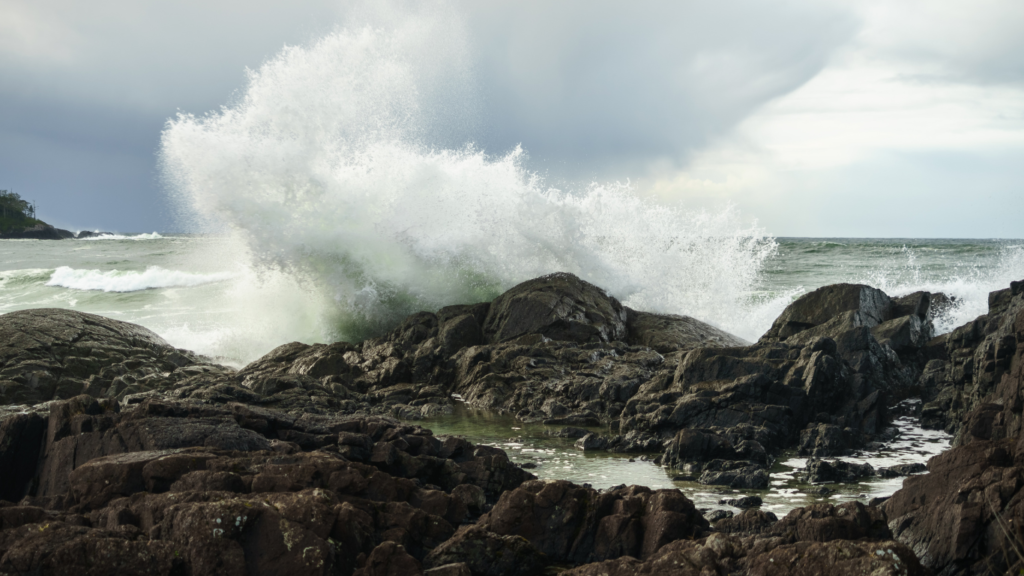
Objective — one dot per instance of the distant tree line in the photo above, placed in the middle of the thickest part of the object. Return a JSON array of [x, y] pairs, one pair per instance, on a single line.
[[13, 206], [15, 212]]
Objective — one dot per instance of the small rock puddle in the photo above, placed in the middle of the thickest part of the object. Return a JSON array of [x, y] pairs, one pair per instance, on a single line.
[[556, 458]]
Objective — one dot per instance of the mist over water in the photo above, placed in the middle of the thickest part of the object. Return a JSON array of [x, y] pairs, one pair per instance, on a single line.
[[328, 171]]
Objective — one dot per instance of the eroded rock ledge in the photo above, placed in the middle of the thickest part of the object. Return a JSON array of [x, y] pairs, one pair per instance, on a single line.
[[121, 454]]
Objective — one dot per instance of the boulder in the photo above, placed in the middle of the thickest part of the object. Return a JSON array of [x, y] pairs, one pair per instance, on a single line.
[[822, 471], [485, 553], [633, 521], [869, 307], [557, 306], [48, 354], [826, 522], [901, 470], [389, 559], [743, 503], [748, 522], [671, 332], [825, 440]]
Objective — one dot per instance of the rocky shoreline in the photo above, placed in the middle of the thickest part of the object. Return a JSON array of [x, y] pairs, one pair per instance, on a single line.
[[45, 231], [123, 454]]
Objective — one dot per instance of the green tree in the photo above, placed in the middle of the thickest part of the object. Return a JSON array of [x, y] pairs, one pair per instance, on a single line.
[[15, 212]]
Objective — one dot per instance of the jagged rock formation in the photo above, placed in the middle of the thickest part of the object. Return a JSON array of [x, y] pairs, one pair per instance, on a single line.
[[51, 354], [965, 515], [968, 364], [561, 351], [121, 454]]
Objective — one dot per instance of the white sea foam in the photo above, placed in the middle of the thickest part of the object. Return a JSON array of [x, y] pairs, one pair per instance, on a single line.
[[327, 170], [128, 280], [150, 236], [968, 282]]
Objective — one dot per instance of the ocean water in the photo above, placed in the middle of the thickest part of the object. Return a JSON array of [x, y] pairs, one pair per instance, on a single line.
[[205, 293]]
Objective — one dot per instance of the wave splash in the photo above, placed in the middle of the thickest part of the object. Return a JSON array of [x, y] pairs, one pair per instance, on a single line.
[[149, 236], [968, 279], [327, 170], [129, 281]]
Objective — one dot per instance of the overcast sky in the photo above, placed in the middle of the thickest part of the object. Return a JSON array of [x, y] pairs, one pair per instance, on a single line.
[[854, 118]]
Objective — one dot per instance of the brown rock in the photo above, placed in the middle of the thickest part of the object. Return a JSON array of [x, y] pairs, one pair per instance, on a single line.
[[390, 559], [488, 554]]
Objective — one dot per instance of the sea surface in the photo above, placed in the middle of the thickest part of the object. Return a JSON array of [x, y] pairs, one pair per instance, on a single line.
[[210, 294]]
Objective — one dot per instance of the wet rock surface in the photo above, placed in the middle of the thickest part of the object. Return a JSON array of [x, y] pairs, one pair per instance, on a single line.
[[964, 515], [122, 454]]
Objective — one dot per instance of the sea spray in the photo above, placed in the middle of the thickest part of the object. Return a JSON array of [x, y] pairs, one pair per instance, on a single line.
[[968, 277], [326, 170], [128, 280]]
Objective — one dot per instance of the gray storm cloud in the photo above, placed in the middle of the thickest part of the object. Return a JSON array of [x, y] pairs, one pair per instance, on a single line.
[[593, 89]]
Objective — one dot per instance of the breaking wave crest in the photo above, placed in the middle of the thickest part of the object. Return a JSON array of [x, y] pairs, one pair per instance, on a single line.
[[129, 281], [149, 236], [328, 168]]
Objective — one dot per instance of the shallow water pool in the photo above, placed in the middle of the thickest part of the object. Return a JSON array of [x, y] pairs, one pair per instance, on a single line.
[[557, 459]]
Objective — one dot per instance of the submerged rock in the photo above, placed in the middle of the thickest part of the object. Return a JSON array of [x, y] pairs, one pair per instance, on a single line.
[[822, 471]]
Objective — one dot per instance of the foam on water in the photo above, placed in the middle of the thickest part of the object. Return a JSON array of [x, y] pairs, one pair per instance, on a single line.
[[968, 280], [129, 281], [329, 170], [150, 236]]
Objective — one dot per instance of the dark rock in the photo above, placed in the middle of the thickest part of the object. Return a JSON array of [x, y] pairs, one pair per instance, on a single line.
[[825, 522], [669, 332], [50, 354], [949, 516], [632, 521], [456, 569], [558, 306], [39, 231], [825, 440], [915, 304], [21, 439], [822, 471], [592, 441], [389, 559], [902, 470], [968, 367], [744, 502], [570, 432], [91, 234], [751, 521], [870, 306], [837, 557], [460, 332], [741, 475], [298, 459], [694, 445], [488, 554], [716, 515], [904, 333]]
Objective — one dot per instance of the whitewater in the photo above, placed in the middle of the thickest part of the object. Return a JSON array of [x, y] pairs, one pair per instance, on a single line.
[[341, 190]]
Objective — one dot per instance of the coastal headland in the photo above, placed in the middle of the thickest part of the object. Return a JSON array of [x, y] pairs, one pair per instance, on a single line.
[[122, 454]]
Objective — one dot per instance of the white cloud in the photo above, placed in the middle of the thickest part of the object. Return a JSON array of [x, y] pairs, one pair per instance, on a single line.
[[892, 101], [28, 35]]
